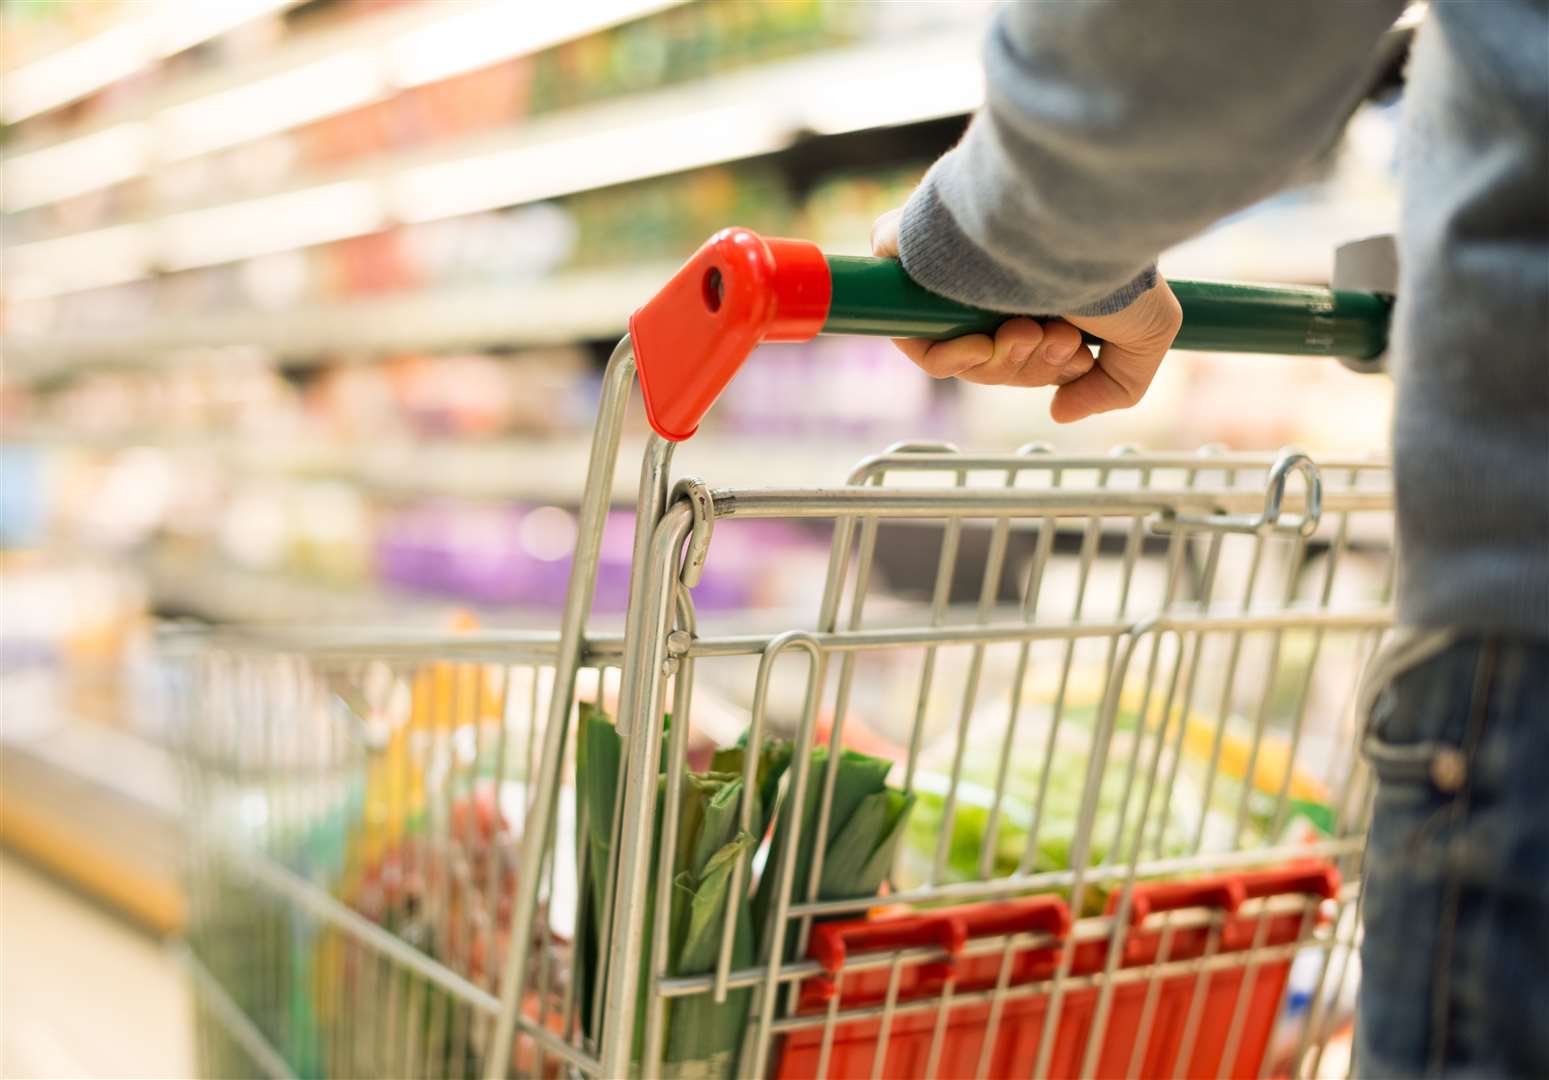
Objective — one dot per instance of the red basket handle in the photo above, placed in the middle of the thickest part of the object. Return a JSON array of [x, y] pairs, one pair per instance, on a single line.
[[1228, 891], [832, 944], [1030, 915], [1152, 897], [1311, 877], [948, 930]]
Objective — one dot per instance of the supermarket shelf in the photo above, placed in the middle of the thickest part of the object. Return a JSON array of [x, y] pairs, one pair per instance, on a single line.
[[730, 117], [535, 469], [217, 592], [220, 593], [127, 47], [554, 470], [416, 44], [567, 308], [99, 807], [755, 110]]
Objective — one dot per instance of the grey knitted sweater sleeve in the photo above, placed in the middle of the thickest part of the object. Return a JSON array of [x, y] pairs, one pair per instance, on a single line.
[[1112, 130]]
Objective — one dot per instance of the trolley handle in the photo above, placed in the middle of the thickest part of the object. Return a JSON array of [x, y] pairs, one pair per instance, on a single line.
[[741, 289], [876, 296]]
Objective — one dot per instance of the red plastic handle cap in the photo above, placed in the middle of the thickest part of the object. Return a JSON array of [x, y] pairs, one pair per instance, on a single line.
[[736, 291]]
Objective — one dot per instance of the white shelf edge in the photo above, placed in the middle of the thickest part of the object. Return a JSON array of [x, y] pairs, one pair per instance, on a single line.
[[562, 309], [377, 33], [129, 46], [530, 469]]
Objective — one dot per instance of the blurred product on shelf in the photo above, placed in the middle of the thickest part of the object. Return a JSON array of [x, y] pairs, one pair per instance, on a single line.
[[644, 222], [838, 214], [23, 521], [520, 557], [533, 392], [672, 215], [849, 389], [832, 388], [235, 391], [683, 43], [231, 394], [33, 30], [73, 634], [680, 44]]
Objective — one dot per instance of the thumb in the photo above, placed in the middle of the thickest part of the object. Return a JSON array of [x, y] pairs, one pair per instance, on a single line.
[[1117, 381], [1135, 340], [884, 234]]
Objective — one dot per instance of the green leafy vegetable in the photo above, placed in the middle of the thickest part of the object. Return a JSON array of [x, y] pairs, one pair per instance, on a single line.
[[865, 823], [702, 1035]]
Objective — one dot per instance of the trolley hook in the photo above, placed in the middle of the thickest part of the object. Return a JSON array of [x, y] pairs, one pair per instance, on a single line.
[[1272, 518], [697, 492]]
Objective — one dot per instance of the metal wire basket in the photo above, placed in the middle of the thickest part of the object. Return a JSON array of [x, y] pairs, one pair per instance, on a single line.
[[1113, 826]]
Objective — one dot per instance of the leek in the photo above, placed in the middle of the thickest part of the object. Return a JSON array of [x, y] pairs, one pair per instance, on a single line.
[[865, 822], [701, 1035]]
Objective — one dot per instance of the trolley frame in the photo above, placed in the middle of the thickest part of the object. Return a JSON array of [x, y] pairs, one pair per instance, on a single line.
[[660, 645]]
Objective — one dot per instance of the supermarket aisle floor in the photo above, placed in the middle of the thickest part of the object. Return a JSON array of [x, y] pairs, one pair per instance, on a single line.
[[81, 993]]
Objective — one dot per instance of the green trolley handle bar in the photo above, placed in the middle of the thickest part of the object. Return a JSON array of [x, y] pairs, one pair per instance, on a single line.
[[875, 296], [741, 289]]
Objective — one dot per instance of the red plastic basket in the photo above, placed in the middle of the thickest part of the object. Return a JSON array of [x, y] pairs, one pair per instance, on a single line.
[[1181, 999]]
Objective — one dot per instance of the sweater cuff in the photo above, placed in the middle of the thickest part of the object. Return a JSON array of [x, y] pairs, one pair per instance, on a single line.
[[937, 254], [1121, 297]]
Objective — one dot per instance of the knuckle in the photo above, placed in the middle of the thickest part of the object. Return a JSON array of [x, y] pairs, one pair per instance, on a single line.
[[1020, 330], [938, 367], [948, 358]]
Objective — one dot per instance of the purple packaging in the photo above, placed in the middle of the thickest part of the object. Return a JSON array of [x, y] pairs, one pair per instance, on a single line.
[[518, 556]]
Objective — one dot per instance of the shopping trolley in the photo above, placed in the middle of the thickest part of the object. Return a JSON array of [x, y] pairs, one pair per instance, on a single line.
[[1087, 804]]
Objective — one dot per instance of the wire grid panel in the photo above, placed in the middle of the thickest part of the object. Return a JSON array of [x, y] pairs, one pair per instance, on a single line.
[[1124, 670], [356, 809], [1159, 686]]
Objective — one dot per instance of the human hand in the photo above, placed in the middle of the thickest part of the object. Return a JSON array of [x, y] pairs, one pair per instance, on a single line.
[[1024, 352]]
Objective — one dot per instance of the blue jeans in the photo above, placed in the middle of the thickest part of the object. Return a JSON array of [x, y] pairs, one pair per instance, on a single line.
[[1455, 961]]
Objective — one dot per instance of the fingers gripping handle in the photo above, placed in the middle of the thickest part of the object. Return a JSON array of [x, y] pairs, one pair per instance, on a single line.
[[741, 289]]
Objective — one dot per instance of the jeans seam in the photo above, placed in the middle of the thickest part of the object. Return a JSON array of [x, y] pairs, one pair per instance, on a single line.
[[1441, 1001]]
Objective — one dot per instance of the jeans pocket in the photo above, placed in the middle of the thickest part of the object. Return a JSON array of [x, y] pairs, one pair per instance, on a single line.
[[1432, 764], [1412, 738]]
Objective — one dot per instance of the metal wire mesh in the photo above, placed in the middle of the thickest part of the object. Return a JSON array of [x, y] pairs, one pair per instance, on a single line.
[[353, 852], [1118, 670]]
